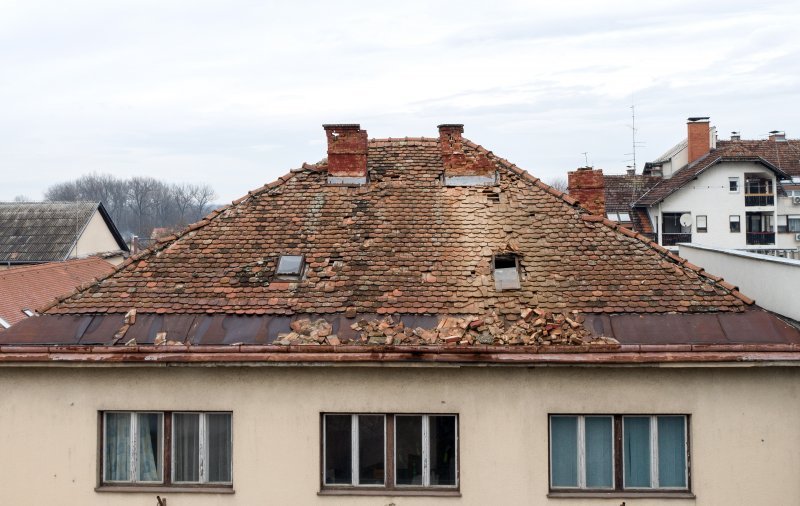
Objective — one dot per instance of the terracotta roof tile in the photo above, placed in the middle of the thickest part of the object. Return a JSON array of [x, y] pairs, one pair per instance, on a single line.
[[31, 287], [403, 243]]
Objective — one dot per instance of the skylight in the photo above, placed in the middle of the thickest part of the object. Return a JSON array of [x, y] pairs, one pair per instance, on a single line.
[[470, 180], [4, 323], [28, 312], [290, 266]]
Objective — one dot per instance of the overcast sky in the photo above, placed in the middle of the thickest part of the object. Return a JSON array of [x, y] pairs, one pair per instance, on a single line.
[[234, 93]]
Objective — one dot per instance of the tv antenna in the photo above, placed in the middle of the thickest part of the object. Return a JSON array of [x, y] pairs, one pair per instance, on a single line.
[[634, 143], [586, 158]]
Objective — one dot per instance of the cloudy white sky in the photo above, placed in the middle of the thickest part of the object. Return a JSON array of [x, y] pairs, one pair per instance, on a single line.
[[234, 93]]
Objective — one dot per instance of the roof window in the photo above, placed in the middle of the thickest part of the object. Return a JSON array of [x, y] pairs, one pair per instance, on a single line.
[[4, 323], [506, 272], [28, 312], [290, 266], [621, 217]]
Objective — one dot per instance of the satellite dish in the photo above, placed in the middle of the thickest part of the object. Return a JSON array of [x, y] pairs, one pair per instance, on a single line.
[[686, 220]]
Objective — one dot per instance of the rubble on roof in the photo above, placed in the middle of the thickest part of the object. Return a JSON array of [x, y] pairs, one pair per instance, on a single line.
[[534, 327]]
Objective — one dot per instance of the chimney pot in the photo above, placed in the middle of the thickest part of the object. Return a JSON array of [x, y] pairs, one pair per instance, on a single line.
[[588, 187], [699, 137], [736, 136], [347, 153]]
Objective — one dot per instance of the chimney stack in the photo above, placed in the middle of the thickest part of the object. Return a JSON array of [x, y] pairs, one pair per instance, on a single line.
[[587, 186], [736, 136], [777, 136], [450, 138], [347, 153], [699, 137]]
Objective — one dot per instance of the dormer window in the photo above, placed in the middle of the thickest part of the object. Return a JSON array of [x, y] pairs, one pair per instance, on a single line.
[[506, 272], [290, 267]]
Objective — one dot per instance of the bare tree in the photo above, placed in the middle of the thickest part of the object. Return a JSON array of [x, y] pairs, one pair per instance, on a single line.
[[559, 183], [21, 198], [202, 195]]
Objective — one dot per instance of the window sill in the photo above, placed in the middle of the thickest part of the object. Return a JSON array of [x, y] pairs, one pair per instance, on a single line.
[[622, 495], [386, 492], [149, 489]]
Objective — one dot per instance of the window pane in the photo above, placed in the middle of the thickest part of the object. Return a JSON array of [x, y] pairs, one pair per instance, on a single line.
[[186, 441], [338, 445], [218, 431], [149, 446], [117, 454], [624, 217], [671, 451], [408, 449], [290, 265], [442, 435], [637, 451], [371, 445], [564, 450], [599, 453]]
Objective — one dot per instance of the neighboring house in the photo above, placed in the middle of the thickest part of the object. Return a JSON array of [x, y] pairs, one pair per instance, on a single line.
[[412, 321], [39, 232], [740, 194], [25, 289]]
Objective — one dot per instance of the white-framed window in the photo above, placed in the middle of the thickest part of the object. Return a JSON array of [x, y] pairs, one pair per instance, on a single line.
[[651, 451], [201, 448], [620, 217], [735, 223], [702, 223], [733, 185], [134, 443], [789, 223], [133, 447], [356, 450]]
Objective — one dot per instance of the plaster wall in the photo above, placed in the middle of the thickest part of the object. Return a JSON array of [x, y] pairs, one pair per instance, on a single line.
[[745, 446], [96, 238]]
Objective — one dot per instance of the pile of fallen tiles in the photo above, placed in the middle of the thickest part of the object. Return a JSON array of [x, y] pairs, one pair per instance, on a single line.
[[534, 327]]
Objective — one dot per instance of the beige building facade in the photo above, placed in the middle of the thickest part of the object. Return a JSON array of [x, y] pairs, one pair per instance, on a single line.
[[744, 444]]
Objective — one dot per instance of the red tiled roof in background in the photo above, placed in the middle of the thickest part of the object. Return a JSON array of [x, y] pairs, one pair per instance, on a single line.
[[31, 287], [404, 243], [621, 190]]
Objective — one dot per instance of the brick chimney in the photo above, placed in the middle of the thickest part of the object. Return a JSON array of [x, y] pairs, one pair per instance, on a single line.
[[450, 138], [699, 137], [777, 136], [587, 186], [347, 152]]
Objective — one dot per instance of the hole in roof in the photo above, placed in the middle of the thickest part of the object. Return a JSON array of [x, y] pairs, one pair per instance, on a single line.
[[290, 266], [506, 272]]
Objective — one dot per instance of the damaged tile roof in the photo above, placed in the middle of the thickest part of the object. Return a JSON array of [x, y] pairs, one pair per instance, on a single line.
[[32, 232], [33, 286], [404, 243]]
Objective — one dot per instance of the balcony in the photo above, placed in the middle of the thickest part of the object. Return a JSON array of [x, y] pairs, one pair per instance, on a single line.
[[759, 199], [761, 238], [668, 239]]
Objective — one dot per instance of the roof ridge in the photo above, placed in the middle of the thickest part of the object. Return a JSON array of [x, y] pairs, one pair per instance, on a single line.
[[165, 242]]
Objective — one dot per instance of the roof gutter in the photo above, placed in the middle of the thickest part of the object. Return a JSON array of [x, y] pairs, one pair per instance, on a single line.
[[254, 355]]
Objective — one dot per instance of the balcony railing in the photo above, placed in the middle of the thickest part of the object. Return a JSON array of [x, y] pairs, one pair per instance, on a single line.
[[668, 239], [759, 199], [761, 238]]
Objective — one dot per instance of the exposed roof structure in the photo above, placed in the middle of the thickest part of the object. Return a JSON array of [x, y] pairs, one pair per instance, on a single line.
[[34, 232], [408, 246], [33, 286], [781, 157]]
